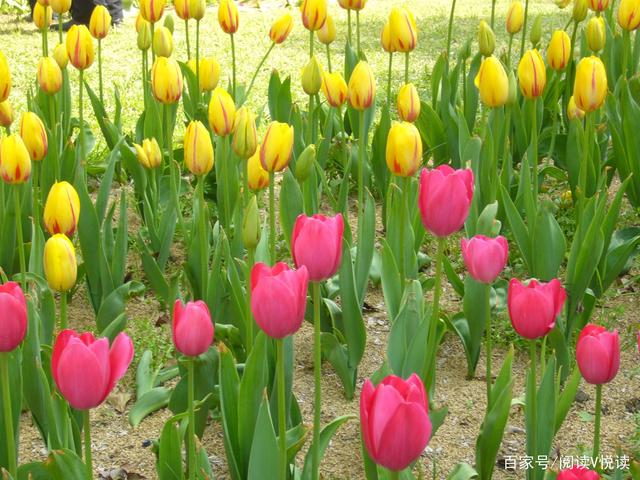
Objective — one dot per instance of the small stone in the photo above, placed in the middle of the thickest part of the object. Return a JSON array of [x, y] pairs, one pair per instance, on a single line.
[[581, 396]]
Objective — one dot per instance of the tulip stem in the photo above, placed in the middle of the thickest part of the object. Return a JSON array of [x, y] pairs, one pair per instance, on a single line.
[[534, 145], [60, 28], [282, 420], [393, 475], [36, 196], [404, 183], [329, 58], [358, 29], [186, 34], [80, 165], [350, 38], [570, 65], [488, 343], [144, 79], [251, 259], [87, 444], [52, 119], [532, 433], [596, 433], [233, 66], [429, 371], [509, 52], [317, 373], [204, 251], [63, 310], [406, 68], [389, 73], [272, 218], [8, 415], [450, 30], [153, 52], [493, 13], [198, 62], [23, 263], [310, 138], [524, 27], [626, 43], [255, 74], [100, 71], [361, 160], [191, 433], [584, 164]]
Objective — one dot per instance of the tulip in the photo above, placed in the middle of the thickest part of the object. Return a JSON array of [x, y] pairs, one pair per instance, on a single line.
[[580, 8], [251, 224], [314, 14], [49, 75], [34, 135], [100, 22], [151, 10], [13, 323], [362, 87], [596, 34], [536, 31], [198, 149], [258, 177], [278, 298], [228, 16], [245, 136], [222, 112], [312, 234], [60, 265], [352, 4], [15, 162], [140, 21], [80, 47], [559, 51], [533, 308], [404, 149], [281, 28], [144, 36], [62, 209], [197, 8], [166, 80], [394, 418], [209, 72], [598, 354], [486, 39], [578, 473], [444, 199], [60, 56], [42, 16], [312, 77], [573, 111], [149, 154], [192, 328], [182, 9], [485, 257], [598, 5], [305, 163], [408, 103], [6, 114], [403, 29], [590, 85], [492, 82], [277, 147], [334, 89], [385, 39], [562, 3], [5, 78], [162, 42], [515, 17], [532, 74], [327, 34], [60, 6], [629, 14]]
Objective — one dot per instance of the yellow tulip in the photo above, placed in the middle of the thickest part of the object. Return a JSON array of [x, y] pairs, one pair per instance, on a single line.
[[166, 80], [580, 8], [49, 75], [486, 39], [403, 29], [492, 82], [139, 22], [197, 9], [629, 14], [559, 51], [222, 112], [598, 5], [327, 33], [60, 264], [5, 78], [314, 14], [60, 56], [404, 149], [258, 177], [6, 114], [149, 154], [42, 16], [44, 3], [15, 163], [281, 28], [573, 111], [182, 9], [352, 4], [162, 42], [198, 149], [245, 136], [385, 38], [408, 103], [515, 17], [62, 209], [334, 88], [590, 86], [100, 22], [532, 74], [312, 76], [228, 16], [277, 147], [34, 136], [80, 47], [144, 36], [151, 10], [362, 87], [562, 3], [209, 72], [596, 34], [60, 6]]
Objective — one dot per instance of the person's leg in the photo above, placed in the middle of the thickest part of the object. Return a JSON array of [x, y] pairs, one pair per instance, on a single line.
[[81, 11], [115, 9]]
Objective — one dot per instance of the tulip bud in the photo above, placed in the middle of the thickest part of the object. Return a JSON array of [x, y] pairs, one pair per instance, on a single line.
[[408, 103], [486, 39], [42, 16], [492, 82], [100, 22], [14, 316], [559, 51], [352, 4], [168, 23], [281, 28], [598, 354], [15, 163], [596, 34], [182, 9], [245, 136], [404, 32], [327, 34], [162, 42], [228, 16], [149, 154], [536, 32], [362, 87], [5, 78], [629, 14], [209, 72], [404, 149], [197, 8], [152, 10], [580, 8], [313, 234], [314, 14], [251, 225], [60, 265], [385, 38], [334, 88], [513, 89], [562, 3], [258, 177], [222, 112], [305, 162], [277, 147], [573, 111], [598, 5], [192, 328], [139, 22], [534, 308], [312, 77], [144, 36], [34, 135], [515, 17], [198, 149], [6, 114], [60, 56], [62, 209], [60, 6], [485, 257], [49, 75], [532, 74], [80, 47], [590, 85], [166, 80]]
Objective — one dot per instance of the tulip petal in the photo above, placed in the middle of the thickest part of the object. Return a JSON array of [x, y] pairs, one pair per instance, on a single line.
[[58, 347], [593, 360], [81, 377]]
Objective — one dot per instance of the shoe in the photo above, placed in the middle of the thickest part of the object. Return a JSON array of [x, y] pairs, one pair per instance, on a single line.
[[27, 18], [66, 25]]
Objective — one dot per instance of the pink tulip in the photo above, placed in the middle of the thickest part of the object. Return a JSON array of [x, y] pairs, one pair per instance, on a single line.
[[445, 199], [278, 298], [394, 418], [85, 369], [534, 308], [13, 320], [316, 243], [578, 473], [192, 328], [485, 257], [598, 354]]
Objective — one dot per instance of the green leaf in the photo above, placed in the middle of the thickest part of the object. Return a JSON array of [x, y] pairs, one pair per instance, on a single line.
[[114, 305], [169, 466], [264, 450], [463, 471], [549, 245], [390, 277], [229, 386], [566, 398], [325, 437], [151, 401], [353, 324]]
